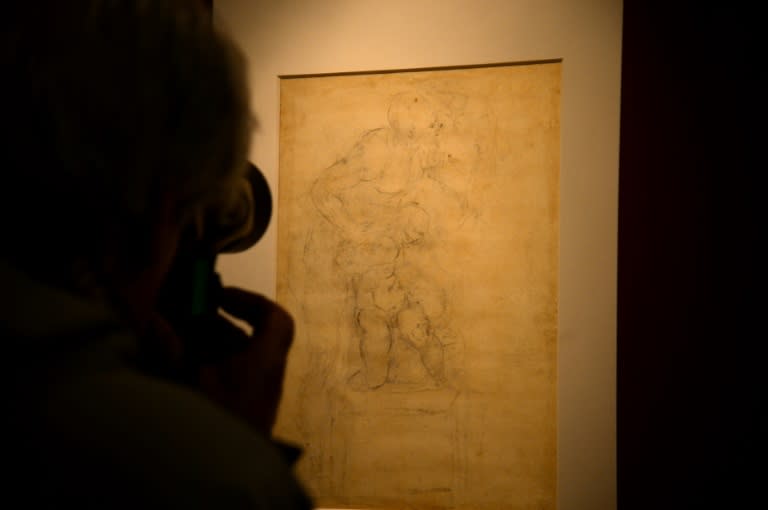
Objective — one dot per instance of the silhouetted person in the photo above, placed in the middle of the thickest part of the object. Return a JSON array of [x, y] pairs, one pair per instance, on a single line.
[[124, 119]]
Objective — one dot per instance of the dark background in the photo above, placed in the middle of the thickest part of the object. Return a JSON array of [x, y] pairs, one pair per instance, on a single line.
[[692, 111]]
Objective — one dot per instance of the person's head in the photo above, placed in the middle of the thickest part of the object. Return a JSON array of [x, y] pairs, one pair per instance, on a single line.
[[416, 116], [122, 118]]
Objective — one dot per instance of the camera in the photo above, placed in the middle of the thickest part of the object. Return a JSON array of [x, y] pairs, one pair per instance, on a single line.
[[189, 298]]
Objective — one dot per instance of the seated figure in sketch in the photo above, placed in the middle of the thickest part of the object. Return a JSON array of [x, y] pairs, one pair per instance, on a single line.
[[388, 200]]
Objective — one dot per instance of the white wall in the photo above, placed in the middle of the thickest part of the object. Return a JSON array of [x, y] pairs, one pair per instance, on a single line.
[[286, 37]]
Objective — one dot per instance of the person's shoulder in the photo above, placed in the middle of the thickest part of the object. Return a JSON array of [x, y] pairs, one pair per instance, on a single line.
[[168, 443]]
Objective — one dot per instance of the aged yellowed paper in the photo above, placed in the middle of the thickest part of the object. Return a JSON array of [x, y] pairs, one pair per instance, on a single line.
[[418, 252]]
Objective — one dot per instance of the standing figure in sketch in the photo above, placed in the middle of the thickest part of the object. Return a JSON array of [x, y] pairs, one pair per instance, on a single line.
[[390, 199]]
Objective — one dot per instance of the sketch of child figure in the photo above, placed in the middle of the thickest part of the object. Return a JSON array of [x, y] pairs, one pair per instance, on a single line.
[[399, 325], [415, 328], [385, 199]]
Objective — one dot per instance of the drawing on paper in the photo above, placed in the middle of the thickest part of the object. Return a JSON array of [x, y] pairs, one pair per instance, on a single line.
[[417, 250]]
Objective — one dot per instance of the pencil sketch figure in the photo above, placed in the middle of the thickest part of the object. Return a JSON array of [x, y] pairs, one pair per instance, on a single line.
[[390, 199]]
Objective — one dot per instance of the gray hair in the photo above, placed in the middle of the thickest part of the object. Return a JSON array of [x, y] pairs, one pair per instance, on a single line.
[[109, 106]]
